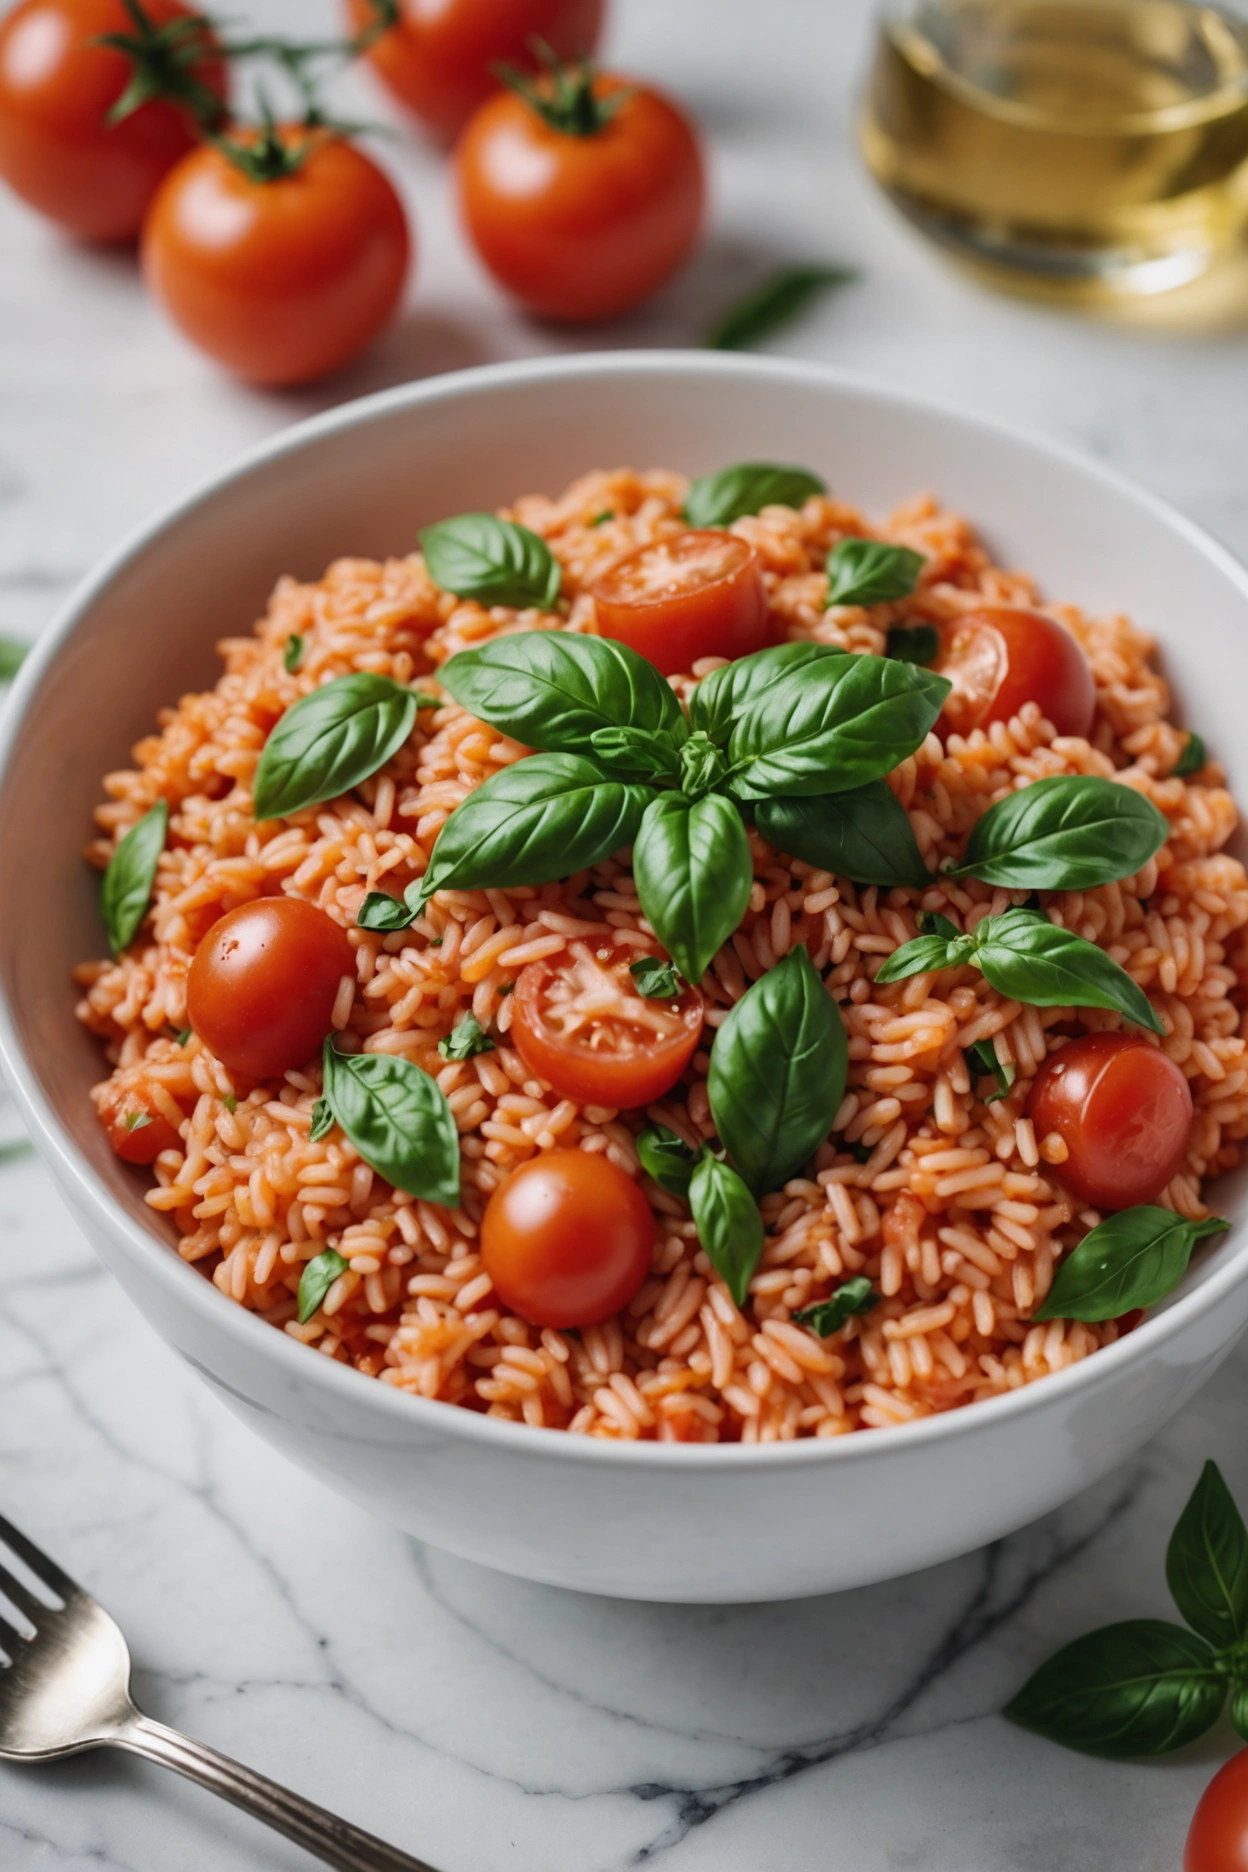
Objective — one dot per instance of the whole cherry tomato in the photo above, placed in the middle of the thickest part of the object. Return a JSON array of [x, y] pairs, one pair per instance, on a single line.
[[700, 594], [440, 59], [567, 1239], [58, 149], [582, 1026], [261, 987], [137, 1131], [1000, 657], [280, 258], [1124, 1111], [1217, 1840], [582, 194]]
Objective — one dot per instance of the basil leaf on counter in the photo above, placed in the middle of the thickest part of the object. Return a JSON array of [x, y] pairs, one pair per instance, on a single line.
[[870, 572], [1192, 759], [727, 692], [828, 1316], [1139, 1688], [693, 870], [1207, 1562], [719, 499], [637, 753], [292, 654], [322, 1121], [316, 1280], [381, 911], [666, 1159], [1072, 832], [126, 890], [864, 834], [1029, 959], [655, 979], [330, 740], [777, 1073], [497, 562], [1132, 1259], [981, 1061], [554, 689], [773, 303], [398, 1119], [914, 643], [833, 725], [730, 1228], [466, 1040], [13, 654]]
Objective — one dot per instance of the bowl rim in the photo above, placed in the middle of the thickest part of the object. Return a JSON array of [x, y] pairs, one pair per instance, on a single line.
[[431, 1415]]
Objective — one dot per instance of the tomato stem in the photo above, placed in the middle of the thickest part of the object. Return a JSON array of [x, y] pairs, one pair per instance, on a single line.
[[163, 61], [563, 95]]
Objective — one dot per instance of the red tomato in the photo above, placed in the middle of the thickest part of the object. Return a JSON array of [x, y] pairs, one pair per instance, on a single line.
[[261, 988], [1001, 657], [440, 58], [581, 226], [57, 148], [279, 280], [567, 1239], [581, 1025], [1217, 1840], [136, 1130], [700, 594], [1123, 1109]]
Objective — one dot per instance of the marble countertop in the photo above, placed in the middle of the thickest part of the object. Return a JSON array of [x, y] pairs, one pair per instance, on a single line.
[[477, 1720]]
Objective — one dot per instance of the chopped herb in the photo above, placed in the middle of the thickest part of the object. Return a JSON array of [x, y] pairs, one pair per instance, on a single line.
[[317, 1279], [183, 1035], [136, 1120], [860, 1152], [506, 989], [292, 655], [1192, 759], [656, 980], [424, 700], [915, 643], [466, 1040], [981, 1059], [828, 1316], [230, 1102], [322, 1121], [436, 942], [600, 519], [770, 306]]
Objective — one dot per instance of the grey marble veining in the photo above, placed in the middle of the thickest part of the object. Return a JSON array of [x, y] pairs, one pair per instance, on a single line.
[[478, 1720]]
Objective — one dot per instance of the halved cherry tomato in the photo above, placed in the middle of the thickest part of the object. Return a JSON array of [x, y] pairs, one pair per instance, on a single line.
[[440, 59], [582, 1026], [1000, 657], [567, 1239], [57, 148], [1124, 1111], [261, 987], [700, 594], [1217, 1840], [280, 280], [136, 1131]]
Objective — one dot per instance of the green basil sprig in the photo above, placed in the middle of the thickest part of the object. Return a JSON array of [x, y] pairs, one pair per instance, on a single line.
[[915, 643], [864, 834], [1132, 1259], [397, 1118], [870, 572], [1146, 1686], [1029, 959], [1192, 759], [330, 740], [316, 1280], [719, 499], [1071, 832], [828, 1316], [126, 890], [981, 1060], [477, 555], [655, 979]]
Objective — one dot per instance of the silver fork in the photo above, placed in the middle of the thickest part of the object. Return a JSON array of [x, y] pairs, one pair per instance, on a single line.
[[67, 1689]]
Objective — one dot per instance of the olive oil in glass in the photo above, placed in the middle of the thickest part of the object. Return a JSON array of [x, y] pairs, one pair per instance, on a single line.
[[1083, 146]]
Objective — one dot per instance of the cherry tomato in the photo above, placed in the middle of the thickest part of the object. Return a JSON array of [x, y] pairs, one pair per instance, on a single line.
[[700, 594], [1217, 1840], [136, 1130], [261, 987], [1124, 1111], [279, 280], [567, 1239], [440, 58], [581, 225], [1001, 657], [582, 1026], [57, 148]]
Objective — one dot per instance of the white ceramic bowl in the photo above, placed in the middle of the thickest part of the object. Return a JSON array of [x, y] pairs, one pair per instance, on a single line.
[[643, 1521]]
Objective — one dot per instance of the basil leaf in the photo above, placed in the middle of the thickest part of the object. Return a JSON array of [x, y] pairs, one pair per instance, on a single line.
[[466, 1040], [767, 307], [931, 923], [292, 654], [727, 692], [693, 869], [636, 753], [553, 689], [600, 519], [1071, 832], [126, 890], [330, 740], [426, 701], [322, 1122], [833, 725], [916, 643], [1207, 1562], [316, 1280], [655, 979], [12, 655], [719, 499], [1139, 1688], [1237, 1710], [664, 1157], [381, 911], [730, 1228], [1132, 1259], [981, 1060], [828, 1316], [1192, 759], [871, 572], [398, 1119], [864, 834], [1031, 960], [541, 818], [925, 953], [777, 1073], [183, 1035], [477, 555]]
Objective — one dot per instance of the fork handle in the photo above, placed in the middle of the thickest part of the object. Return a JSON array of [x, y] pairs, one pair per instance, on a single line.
[[330, 1839]]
